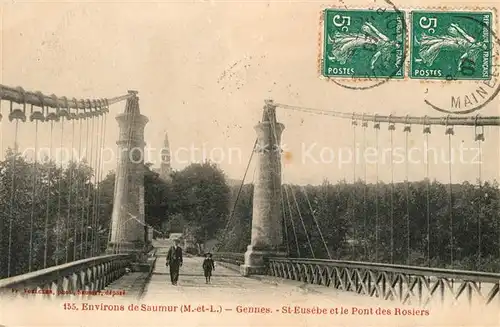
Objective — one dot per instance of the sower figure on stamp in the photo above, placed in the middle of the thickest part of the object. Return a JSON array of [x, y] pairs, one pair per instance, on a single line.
[[174, 260], [208, 266]]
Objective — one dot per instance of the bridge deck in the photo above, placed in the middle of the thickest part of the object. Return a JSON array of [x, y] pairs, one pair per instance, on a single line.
[[228, 301], [225, 284], [230, 293]]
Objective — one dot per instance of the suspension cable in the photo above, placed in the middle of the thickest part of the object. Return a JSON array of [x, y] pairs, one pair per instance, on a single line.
[[1, 130], [479, 137], [91, 191], [83, 251], [14, 114], [303, 224], [407, 130], [282, 200], [365, 191], [97, 185], [231, 215], [70, 188], [445, 121], [376, 126], [449, 132], [49, 191], [113, 246], [279, 151], [18, 95], [391, 129], [78, 196], [317, 224], [88, 151], [12, 194], [427, 131], [354, 219], [273, 127], [94, 223], [285, 226], [103, 140], [2, 187], [291, 220], [60, 192], [479, 216], [88, 238], [35, 173]]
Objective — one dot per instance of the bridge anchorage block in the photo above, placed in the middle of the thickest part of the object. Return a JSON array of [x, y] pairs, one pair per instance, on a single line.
[[256, 260], [140, 261]]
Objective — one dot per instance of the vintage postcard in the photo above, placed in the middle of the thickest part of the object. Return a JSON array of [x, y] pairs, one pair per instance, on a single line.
[[249, 163]]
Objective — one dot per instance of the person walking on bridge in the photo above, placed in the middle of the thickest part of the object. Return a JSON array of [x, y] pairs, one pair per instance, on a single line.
[[208, 265], [174, 260]]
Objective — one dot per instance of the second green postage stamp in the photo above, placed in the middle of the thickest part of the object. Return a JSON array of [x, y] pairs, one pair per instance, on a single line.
[[451, 45], [363, 43]]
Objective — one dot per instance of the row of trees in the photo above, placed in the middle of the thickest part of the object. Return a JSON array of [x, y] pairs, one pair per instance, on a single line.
[[417, 223], [195, 201], [50, 215]]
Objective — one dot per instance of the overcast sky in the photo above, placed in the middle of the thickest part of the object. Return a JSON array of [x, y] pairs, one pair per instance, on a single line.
[[203, 70]]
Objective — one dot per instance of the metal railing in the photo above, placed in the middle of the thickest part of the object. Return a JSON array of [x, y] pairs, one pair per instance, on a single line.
[[78, 278], [409, 285], [406, 284], [228, 257]]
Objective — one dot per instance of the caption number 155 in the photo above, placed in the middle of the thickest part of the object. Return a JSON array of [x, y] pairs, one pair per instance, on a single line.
[[428, 24], [70, 306], [342, 21]]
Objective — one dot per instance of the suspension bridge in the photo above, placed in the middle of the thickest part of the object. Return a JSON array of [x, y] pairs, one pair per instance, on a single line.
[[55, 234]]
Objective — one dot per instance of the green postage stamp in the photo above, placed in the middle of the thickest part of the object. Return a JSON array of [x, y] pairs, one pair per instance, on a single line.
[[450, 45], [363, 43], [444, 45]]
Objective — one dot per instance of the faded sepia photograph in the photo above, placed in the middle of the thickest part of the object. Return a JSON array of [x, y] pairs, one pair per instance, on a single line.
[[249, 163]]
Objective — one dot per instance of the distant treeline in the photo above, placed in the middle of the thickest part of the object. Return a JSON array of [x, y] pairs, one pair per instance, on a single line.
[[55, 214], [450, 227], [50, 214]]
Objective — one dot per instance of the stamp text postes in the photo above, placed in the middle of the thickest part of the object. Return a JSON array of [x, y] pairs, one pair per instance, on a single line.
[[450, 45], [363, 44]]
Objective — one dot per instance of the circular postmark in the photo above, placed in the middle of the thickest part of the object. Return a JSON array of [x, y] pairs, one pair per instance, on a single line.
[[365, 46], [475, 68]]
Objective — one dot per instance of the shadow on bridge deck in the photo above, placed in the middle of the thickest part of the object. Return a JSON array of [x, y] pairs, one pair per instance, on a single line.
[[231, 300], [233, 295]]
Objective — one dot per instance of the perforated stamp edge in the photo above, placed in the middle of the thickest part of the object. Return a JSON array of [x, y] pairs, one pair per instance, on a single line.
[[407, 62]]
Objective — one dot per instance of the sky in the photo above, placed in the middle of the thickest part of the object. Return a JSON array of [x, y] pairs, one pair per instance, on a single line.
[[203, 70]]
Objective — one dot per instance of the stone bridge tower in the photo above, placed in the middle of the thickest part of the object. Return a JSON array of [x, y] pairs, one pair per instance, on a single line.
[[128, 232], [267, 234]]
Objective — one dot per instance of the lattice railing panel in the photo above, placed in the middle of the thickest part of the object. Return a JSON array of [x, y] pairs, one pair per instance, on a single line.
[[404, 284], [231, 258]]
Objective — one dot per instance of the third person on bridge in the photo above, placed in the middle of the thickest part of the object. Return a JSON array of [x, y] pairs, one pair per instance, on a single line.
[[174, 260], [208, 266]]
